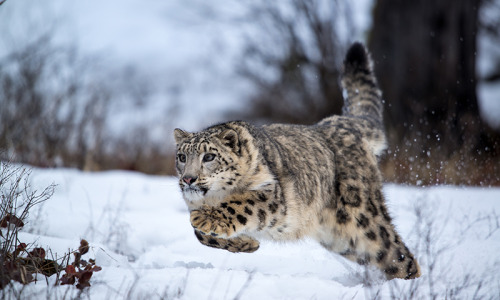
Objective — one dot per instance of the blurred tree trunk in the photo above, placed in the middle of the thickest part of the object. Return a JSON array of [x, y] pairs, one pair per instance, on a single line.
[[425, 56]]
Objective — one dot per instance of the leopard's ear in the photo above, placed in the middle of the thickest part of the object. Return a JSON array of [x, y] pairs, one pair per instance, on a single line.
[[180, 135], [230, 138]]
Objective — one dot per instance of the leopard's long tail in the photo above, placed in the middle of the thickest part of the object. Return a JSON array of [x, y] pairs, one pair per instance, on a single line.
[[362, 97]]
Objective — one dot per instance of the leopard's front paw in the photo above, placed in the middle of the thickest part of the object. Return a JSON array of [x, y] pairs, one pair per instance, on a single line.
[[243, 244], [211, 221], [238, 244]]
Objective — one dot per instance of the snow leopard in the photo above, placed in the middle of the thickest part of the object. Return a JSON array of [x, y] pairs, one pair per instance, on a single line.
[[245, 183]]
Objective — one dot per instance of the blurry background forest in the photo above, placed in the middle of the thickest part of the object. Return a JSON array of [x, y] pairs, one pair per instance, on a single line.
[[100, 86]]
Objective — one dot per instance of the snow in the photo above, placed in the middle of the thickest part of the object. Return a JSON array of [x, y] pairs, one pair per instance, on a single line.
[[139, 232]]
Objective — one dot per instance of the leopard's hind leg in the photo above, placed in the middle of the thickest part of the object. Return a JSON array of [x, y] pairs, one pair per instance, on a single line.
[[362, 232]]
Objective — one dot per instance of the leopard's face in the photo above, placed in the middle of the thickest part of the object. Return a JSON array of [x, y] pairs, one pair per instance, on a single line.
[[206, 164]]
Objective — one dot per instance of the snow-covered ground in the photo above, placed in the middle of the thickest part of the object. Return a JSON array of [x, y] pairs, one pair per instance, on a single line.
[[139, 232]]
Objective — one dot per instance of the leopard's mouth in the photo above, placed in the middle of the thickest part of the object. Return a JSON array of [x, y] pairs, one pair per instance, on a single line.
[[193, 194], [195, 189]]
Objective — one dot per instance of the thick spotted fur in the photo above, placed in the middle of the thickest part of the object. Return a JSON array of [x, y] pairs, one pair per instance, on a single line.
[[243, 183]]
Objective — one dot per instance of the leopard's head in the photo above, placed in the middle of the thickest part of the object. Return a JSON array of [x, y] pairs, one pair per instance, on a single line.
[[209, 163]]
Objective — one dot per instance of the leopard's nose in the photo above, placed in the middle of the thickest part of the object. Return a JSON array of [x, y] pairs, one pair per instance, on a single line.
[[189, 179]]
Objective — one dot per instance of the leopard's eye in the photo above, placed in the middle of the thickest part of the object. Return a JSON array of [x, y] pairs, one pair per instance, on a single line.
[[208, 157], [181, 157]]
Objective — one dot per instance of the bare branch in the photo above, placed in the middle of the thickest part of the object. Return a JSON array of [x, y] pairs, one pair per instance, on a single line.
[[302, 57]]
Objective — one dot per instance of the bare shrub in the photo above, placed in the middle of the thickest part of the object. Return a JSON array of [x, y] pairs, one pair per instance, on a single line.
[[56, 111], [51, 111], [22, 262], [17, 261], [434, 238], [115, 234]]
